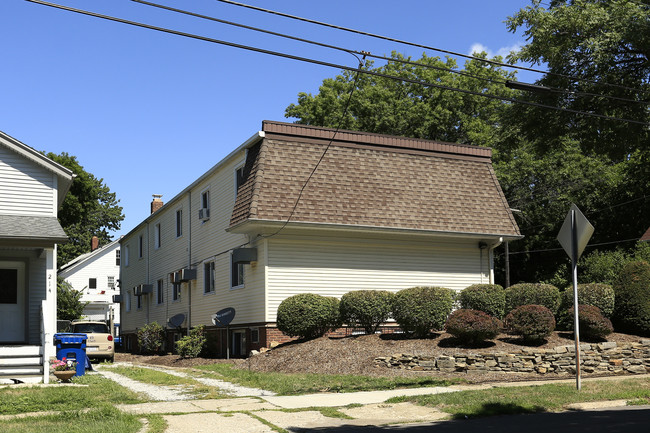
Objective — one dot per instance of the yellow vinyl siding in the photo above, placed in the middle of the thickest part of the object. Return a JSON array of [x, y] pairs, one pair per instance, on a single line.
[[332, 267]]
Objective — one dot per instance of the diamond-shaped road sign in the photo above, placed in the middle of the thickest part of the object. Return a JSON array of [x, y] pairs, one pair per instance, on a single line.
[[583, 229]]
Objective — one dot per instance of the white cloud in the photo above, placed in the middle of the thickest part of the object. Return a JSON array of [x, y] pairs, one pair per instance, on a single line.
[[503, 51]]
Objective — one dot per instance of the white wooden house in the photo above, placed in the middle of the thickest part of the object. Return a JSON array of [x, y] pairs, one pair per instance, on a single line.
[[379, 212], [95, 275], [32, 188]]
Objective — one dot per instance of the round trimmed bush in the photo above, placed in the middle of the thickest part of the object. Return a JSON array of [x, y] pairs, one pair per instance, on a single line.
[[308, 315], [597, 294], [472, 326], [418, 310], [489, 298], [632, 298], [546, 295], [592, 322], [366, 309], [532, 322]]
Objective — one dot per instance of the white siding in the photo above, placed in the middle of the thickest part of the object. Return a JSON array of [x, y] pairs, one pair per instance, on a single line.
[[335, 266], [100, 266], [201, 241], [25, 187]]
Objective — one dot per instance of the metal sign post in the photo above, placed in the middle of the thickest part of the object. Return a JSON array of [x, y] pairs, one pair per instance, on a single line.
[[574, 236]]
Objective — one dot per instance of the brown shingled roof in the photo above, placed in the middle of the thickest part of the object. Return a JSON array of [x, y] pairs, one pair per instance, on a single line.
[[646, 236], [372, 180]]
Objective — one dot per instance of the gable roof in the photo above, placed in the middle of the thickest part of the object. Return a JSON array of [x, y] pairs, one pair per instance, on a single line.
[[371, 180], [79, 260], [63, 174]]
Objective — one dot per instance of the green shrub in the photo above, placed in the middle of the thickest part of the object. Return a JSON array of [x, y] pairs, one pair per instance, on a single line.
[[591, 321], [489, 298], [472, 326], [532, 322], [308, 315], [151, 338], [366, 309], [533, 294], [191, 345], [418, 310], [596, 294], [632, 298]]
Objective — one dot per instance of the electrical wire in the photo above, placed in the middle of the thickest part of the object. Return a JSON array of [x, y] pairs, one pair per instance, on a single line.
[[332, 65], [399, 41], [389, 59], [561, 249]]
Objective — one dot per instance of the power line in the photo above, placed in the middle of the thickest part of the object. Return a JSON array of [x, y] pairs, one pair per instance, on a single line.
[[387, 38], [561, 249], [364, 53], [332, 65]]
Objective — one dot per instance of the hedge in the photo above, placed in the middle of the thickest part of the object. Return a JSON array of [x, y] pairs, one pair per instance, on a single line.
[[366, 309], [418, 310]]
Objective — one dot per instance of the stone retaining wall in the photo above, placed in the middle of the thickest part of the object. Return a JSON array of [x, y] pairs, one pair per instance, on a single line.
[[608, 357]]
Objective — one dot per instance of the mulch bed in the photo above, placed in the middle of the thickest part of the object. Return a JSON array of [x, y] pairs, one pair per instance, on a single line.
[[356, 354]]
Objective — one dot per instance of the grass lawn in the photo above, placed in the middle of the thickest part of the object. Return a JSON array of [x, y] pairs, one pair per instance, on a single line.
[[293, 384], [528, 399], [98, 393]]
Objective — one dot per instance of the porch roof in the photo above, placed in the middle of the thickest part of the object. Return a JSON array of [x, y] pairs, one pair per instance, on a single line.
[[27, 230]]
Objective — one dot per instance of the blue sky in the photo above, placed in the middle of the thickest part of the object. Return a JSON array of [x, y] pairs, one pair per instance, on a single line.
[[150, 112]]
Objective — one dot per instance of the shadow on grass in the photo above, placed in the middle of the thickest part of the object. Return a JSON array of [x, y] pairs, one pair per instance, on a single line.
[[492, 409]]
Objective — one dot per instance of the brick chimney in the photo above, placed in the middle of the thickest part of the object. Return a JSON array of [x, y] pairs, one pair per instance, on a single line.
[[156, 203], [94, 243]]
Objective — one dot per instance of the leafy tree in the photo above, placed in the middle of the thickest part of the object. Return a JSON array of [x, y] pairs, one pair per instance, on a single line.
[[68, 301], [89, 209], [605, 47], [550, 159], [387, 106]]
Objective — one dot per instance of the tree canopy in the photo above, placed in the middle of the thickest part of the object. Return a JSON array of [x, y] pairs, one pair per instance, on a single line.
[[89, 209], [597, 56], [386, 106]]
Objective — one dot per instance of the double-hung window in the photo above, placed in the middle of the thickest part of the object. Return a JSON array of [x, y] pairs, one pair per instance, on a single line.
[[208, 277], [236, 274], [156, 236], [179, 223], [160, 291]]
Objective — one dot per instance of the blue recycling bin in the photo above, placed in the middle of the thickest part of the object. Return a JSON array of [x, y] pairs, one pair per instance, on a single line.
[[72, 347]]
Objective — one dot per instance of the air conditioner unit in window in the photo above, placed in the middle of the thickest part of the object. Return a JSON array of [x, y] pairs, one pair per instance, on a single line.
[[146, 288], [185, 275], [204, 214]]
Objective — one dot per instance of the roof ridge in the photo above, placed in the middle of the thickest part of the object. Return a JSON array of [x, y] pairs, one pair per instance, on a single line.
[[379, 140]]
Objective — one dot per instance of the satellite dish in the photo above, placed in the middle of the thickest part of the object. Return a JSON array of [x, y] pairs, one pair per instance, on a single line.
[[177, 320], [223, 317]]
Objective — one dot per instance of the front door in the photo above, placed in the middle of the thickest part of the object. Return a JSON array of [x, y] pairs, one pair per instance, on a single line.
[[12, 302]]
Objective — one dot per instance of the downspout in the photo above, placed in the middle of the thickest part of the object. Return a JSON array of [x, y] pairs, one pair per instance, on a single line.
[[148, 262], [189, 260]]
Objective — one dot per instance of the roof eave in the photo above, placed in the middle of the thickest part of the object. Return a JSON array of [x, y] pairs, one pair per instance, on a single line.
[[259, 225]]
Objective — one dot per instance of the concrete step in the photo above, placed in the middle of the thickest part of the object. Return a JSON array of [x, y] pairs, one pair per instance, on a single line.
[[18, 351], [25, 361], [20, 370], [25, 378]]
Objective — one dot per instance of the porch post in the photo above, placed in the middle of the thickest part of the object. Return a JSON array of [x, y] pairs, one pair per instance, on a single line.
[[49, 316]]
